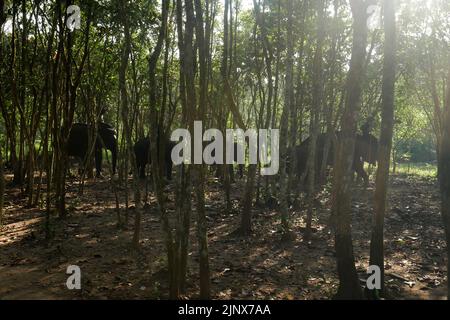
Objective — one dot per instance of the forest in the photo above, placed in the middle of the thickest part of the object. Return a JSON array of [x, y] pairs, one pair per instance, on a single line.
[[225, 149]]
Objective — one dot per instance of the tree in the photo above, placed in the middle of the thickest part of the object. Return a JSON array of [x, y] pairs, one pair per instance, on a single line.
[[126, 50], [385, 141], [314, 128], [65, 82], [349, 287], [444, 177], [2, 179], [199, 172], [284, 124], [183, 190]]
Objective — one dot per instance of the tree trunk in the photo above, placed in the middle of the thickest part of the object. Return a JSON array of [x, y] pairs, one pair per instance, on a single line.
[[2, 186], [2, 178], [317, 97], [284, 125], [349, 287], [247, 201], [57, 135], [444, 177], [331, 95], [157, 137], [126, 50], [199, 172], [385, 143], [224, 70], [183, 195]]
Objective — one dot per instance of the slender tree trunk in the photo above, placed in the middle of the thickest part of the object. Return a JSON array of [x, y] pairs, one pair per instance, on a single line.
[[65, 117], [199, 175], [172, 255], [288, 102], [224, 69], [57, 135], [349, 287], [126, 50], [317, 97], [246, 217], [444, 177], [247, 200], [385, 144], [183, 196], [394, 160], [328, 145], [2, 178]]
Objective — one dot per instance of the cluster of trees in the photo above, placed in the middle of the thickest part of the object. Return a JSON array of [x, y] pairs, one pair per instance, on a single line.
[[147, 67]]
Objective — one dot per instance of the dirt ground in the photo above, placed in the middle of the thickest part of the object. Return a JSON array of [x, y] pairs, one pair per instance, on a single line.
[[259, 267]]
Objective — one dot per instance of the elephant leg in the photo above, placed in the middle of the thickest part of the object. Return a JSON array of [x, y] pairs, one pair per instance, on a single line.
[[82, 164], [141, 168], [98, 161], [359, 169], [114, 158]]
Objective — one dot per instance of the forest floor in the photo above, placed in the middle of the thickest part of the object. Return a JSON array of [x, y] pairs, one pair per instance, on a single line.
[[261, 266]]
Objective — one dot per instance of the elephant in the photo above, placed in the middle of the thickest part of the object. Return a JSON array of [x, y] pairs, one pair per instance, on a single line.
[[77, 144], [141, 153], [366, 147]]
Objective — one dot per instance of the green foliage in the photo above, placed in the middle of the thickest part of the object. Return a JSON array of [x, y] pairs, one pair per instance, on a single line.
[[418, 169]]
